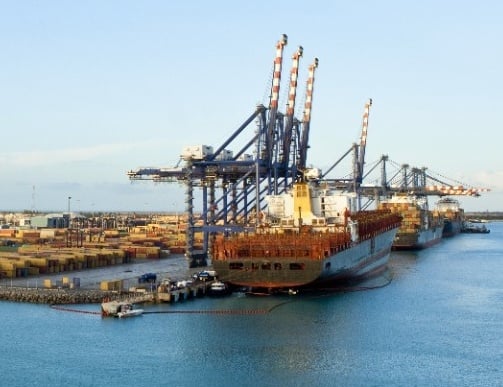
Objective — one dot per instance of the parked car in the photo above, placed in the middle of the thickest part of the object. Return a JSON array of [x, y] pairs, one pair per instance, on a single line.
[[147, 277], [206, 275]]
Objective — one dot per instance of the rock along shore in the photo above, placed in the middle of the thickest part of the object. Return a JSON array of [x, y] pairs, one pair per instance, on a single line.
[[55, 296]]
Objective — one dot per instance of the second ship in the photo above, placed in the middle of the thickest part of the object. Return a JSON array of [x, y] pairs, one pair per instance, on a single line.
[[308, 237], [420, 227], [453, 216]]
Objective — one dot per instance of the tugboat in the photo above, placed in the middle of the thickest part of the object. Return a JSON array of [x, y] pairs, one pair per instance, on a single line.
[[470, 228], [307, 237], [128, 310], [218, 288], [119, 309]]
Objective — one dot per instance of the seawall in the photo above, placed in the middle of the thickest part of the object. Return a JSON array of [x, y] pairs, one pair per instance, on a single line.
[[55, 296]]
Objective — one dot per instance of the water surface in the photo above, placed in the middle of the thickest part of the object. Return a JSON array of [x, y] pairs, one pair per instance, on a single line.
[[437, 323]]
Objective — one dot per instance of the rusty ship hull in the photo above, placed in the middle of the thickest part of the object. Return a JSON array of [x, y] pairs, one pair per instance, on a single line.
[[309, 236], [306, 265]]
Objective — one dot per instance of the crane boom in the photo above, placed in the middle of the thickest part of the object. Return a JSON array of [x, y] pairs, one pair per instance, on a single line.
[[304, 143], [363, 140], [276, 82], [290, 108]]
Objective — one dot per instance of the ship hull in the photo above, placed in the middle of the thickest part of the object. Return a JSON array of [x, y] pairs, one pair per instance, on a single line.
[[360, 260], [418, 240], [452, 227]]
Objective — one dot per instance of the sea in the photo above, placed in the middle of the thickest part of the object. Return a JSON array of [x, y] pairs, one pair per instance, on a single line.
[[435, 319]]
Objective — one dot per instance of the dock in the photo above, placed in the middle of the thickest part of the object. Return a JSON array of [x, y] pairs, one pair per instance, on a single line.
[[169, 294]]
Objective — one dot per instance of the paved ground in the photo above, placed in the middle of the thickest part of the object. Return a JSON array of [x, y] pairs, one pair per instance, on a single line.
[[175, 267]]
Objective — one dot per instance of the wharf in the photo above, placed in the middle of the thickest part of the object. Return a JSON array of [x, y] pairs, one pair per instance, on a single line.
[[194, 290], [31, 289], [91, 296]]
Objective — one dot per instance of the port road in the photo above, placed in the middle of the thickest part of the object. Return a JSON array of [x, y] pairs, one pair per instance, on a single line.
[[175, 267]]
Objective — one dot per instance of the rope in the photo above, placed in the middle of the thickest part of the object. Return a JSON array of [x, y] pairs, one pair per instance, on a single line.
[[65, 309], [222, 311]]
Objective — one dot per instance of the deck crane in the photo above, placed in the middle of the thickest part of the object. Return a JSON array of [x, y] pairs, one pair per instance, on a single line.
[[306, 121]]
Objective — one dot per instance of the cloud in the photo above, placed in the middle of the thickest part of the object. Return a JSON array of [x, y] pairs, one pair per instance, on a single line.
[[39, 158]]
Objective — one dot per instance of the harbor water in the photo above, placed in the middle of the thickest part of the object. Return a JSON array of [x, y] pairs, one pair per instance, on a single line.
[[436, 319]]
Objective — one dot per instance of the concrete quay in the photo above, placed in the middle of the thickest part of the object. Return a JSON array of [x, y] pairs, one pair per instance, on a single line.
[[31, 289]]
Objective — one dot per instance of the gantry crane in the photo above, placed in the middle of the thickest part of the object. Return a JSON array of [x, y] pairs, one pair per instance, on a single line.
[[306, 122], [414, 181], [234, 184], [354, 182]]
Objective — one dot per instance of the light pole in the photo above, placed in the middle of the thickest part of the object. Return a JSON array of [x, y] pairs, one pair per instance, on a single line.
[[69, 213]]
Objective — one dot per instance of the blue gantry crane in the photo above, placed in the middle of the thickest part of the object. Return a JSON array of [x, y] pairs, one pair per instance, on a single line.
[[234, 183]]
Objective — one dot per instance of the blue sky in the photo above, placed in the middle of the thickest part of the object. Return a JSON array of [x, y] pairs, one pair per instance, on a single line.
[[91, 89]]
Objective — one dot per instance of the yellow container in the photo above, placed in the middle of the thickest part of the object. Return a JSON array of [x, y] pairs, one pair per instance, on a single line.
[[111, 285]]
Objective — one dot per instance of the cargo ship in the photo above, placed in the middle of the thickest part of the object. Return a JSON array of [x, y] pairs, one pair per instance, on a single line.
[[452, 214], [307, 237], [420, 227]]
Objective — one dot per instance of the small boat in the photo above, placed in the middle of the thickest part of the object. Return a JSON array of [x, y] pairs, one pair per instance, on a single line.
[[119, 309], [469, 228], [218, 288], [127, 310]]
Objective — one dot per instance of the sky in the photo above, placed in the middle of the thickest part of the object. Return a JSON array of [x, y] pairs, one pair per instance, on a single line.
[[92, 89]]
